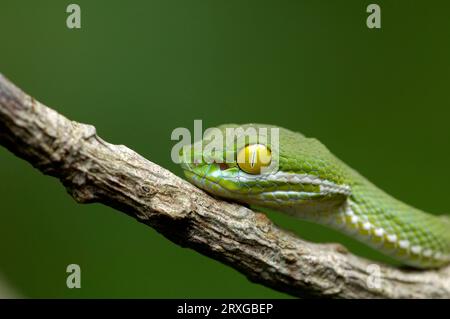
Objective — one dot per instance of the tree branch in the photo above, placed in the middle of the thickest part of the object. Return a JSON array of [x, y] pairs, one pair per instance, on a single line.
[[93, 170]]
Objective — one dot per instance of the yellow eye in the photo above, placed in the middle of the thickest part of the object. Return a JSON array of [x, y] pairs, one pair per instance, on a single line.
[[252, 158]]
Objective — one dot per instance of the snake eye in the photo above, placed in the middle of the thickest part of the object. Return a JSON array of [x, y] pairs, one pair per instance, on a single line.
[[252, 158]]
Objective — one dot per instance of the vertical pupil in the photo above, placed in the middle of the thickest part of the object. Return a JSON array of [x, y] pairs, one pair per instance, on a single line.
[[253, 157]]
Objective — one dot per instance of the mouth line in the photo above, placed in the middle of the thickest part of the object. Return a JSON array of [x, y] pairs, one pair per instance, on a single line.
[[205, 183], [195, 177]]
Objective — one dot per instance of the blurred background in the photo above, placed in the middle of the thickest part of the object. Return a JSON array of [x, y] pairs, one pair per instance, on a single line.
[[379, 99]]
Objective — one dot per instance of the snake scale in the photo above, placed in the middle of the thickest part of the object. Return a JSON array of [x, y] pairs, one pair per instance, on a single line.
[[313, 184]]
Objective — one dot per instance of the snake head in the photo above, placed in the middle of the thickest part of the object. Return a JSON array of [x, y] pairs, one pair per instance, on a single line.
[[266, 166]]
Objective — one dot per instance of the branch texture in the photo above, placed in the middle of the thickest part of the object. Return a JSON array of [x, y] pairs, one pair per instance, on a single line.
[[93, 170]]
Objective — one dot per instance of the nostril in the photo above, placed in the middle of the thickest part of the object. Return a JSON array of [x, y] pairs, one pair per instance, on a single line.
[[223, 166]]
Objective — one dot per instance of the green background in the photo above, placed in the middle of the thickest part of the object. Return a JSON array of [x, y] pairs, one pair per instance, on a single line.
[[379, 99]]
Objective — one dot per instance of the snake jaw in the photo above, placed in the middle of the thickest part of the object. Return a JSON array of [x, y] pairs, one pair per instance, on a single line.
[[296, 194]]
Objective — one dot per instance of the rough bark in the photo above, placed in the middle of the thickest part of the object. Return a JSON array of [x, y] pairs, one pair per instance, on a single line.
[[93, 170]]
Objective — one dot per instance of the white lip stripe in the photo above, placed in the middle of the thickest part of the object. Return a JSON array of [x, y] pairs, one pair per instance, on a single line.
[[325, 185]]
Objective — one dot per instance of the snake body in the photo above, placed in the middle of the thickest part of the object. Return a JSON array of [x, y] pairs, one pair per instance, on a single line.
[[313, 184]]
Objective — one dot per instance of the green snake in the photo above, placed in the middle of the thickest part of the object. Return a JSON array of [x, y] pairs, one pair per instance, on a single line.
[[311, 183]]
